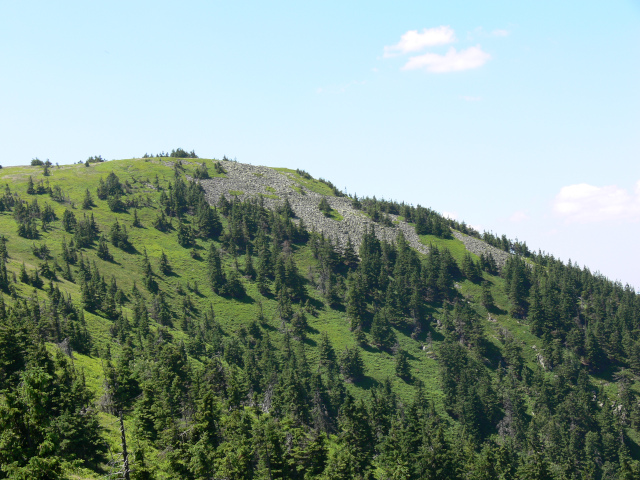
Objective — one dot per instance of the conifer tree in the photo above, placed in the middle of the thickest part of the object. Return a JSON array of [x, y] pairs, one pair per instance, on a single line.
[[381, 333], [68, 221], [487, 298], [136, 220], [103, 249], [163, 264], [249, 270], [30, 189], [356, 299], [233, 286], [327, 354], [299, 325], [403, 370], [147, 271], [87, 202], [185, 235], [217, 278], [351, 364], [24, 276]]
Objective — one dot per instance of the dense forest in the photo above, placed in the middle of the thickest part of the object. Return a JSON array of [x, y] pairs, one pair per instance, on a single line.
[[145, 333]]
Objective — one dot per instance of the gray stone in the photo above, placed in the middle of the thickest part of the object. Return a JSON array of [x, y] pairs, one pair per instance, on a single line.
[[253, 181]]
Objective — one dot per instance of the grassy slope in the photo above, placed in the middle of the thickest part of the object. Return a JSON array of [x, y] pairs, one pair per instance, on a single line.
[[126, 267]]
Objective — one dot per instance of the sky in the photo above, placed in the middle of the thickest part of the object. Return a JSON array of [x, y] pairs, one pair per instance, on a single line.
[[520, 118]]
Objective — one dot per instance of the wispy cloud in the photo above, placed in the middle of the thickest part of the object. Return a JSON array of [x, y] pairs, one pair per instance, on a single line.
[[412, 41], [586, 203], [469, 98], [452, 61], [450, 215]]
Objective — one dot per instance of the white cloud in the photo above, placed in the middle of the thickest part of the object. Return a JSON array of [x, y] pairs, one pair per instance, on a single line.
[[452, 61], [587, 203], [468, 98], [412, 41], [450, 215], [500, 33]]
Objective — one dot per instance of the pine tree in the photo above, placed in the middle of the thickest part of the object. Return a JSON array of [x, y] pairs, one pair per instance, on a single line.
[[351, 364], [487, 298], [356, 300], [136, 221], [403, 370], [299, 325], [381, 333], [103, 250], [87, 202], [349, 255], [249, 270], [68, 221], [164, 265], [536, 313], [185, 235], [327, 354], [324, 207], [30, 189], [217, 278], [147, 271], [24, 276]]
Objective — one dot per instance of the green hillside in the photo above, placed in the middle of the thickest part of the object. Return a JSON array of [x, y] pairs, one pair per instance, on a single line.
[[237, 343]]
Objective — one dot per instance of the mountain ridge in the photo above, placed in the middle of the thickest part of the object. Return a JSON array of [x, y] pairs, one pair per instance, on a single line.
[[210, 321]]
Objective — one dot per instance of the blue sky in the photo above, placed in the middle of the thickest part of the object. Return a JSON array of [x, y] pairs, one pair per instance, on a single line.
[[517, 117]]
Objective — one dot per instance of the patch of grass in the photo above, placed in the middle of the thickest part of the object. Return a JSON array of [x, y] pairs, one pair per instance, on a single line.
[[455, 246], [335, 215], [312, 184], [236, 193], [270, 189]]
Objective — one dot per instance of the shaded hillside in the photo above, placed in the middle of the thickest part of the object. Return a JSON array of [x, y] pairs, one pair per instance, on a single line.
[[250, 322]]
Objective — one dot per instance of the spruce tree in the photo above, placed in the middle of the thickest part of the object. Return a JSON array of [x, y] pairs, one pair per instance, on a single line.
[[351, 364], [103, 249], [381, 332], [299, 325], [356, 300], [147, 271], [487, 298], [136, 221], [217, 278], [87, 201], [403, 370], [163, 264]]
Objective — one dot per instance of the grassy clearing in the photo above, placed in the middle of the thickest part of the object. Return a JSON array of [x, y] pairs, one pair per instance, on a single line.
[[455, 246], [335, 215], [312, 185], [272, 197]]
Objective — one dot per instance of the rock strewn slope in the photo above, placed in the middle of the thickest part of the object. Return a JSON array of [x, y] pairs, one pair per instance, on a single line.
[[477, 246], [249, 181]]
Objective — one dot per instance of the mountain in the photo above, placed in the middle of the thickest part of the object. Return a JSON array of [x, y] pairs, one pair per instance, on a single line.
[[237, 321]]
